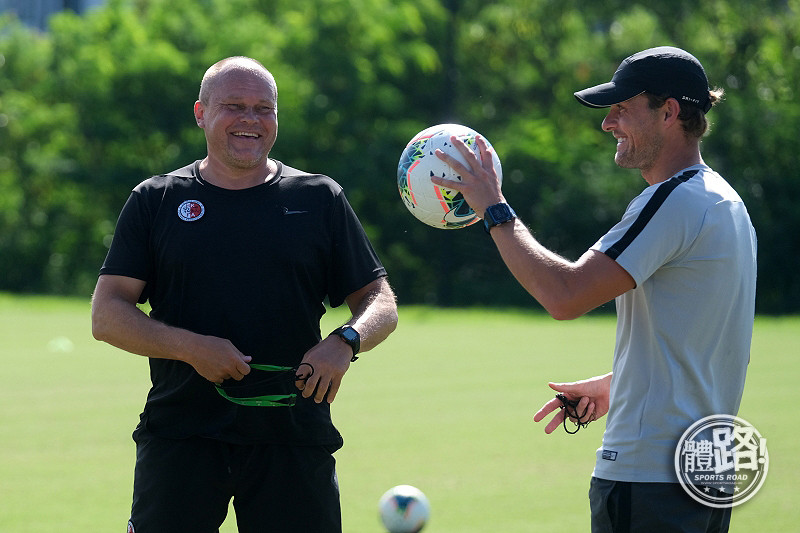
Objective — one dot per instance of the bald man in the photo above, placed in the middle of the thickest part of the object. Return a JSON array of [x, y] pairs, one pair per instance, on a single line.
[[236, 254]]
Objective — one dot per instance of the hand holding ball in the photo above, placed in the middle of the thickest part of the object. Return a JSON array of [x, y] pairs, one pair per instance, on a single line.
[[434, 205]]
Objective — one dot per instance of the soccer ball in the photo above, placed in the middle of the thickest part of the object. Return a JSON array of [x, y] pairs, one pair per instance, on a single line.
[[437, 206], [404, 509]]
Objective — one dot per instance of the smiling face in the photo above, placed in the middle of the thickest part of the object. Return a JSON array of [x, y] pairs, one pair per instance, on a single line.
[[636, 127], [240, 118]]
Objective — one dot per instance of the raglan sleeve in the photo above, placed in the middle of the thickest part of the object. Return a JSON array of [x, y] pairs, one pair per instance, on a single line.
[[649, 236]]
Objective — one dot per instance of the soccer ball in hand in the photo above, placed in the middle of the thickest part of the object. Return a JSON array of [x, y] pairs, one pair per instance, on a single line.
[[404, 509], [437, 206]]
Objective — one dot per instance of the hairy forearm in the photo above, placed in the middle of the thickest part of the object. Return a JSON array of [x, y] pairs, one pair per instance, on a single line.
[[125, 326], [375, 316], [117, 321], [544, 274]]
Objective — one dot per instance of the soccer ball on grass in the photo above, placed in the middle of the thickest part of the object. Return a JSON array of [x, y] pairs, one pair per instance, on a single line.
[[404, 509]]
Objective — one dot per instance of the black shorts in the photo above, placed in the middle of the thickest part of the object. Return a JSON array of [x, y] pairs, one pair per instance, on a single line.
[[186, 485], [625, 507]]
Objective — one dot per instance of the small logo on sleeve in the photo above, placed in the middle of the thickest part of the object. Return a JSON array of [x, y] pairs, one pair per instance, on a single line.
[[191, 210], [609, 455]]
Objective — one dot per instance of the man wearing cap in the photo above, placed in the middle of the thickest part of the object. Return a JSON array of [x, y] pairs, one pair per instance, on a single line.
[[681, 265]]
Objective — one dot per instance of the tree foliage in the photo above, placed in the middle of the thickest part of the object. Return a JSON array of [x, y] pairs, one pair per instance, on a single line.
[[100, 102]]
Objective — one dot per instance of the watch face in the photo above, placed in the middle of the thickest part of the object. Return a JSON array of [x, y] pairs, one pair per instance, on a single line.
[[499, 212], [350, 334]]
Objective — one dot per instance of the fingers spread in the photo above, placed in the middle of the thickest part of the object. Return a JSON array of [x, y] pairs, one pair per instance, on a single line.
[[334, 388], [561, 387], [485, 151], [555, 422], [452, 162], [318, 387], [322, 390], [546, 409], [309, 386]]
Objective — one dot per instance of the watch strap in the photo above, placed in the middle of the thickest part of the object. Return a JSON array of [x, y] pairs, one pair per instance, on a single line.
[[497, 214], [350, 336]]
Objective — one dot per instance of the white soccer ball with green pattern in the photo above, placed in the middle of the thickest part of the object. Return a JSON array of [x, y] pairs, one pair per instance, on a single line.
[[404, 509], [436, 206]]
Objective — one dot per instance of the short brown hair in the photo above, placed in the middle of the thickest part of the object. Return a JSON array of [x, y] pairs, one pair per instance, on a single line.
[[693, 120]]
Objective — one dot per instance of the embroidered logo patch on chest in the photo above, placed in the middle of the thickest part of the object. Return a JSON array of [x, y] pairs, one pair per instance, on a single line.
[[191, 210]]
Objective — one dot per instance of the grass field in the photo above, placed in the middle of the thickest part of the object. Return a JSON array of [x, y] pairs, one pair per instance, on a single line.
[[445, 404]]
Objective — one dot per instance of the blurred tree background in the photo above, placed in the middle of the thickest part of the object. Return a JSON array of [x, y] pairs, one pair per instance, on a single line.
[[100, 102]]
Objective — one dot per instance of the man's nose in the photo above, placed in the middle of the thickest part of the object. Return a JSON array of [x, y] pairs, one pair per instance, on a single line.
[[610, 121]]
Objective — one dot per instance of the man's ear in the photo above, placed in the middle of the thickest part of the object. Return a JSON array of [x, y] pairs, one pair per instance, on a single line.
[[672, 108], [199, 113]]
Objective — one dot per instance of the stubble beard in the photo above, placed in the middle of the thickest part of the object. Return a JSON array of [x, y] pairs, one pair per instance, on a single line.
[[236, 161], [642, 157], [245, 164]]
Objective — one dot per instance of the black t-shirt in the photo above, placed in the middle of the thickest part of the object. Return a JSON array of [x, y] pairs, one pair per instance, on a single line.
[[253, 266]]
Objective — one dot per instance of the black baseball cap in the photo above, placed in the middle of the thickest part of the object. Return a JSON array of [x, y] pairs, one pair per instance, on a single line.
[[664, 70]]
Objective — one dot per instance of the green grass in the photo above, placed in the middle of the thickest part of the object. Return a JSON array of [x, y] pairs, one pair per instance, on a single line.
[[445, 404]]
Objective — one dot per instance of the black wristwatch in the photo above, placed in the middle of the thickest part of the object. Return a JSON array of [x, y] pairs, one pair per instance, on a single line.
[[497, 214], [349, 335]]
